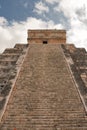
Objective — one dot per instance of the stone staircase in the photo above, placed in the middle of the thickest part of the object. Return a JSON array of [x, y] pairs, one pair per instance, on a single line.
[[45, 96]]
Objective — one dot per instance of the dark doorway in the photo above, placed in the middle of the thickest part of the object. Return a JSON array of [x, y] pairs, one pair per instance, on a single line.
[[45, 42]]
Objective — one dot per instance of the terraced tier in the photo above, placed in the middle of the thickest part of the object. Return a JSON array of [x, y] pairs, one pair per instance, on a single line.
[[10, 62], [44, 96], [77, 60]]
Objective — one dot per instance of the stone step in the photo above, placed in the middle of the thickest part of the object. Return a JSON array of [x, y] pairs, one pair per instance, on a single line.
[[21, 46], [8, 62], [7, 70], [12, 51], [29, 127], [72, 128], [9, 56]]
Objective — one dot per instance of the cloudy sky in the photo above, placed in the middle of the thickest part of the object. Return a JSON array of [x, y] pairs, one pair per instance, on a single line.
[[17, 16]]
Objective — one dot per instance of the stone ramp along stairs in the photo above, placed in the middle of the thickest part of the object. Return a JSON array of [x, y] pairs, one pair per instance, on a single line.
[[44, 96]]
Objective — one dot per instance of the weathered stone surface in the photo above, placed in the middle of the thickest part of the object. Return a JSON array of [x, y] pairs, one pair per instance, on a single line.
[[10, 61], [47, 36], [48, 89], [78, 67], [44, 96]]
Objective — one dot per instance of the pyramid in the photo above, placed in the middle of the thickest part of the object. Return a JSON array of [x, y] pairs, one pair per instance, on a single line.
[[43, 84]]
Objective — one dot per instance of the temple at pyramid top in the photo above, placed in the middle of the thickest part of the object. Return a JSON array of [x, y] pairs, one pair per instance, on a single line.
[[47, 36]]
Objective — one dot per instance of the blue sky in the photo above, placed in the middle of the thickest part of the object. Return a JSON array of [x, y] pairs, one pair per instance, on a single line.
[[17, 16], [20, 10], [16, 9]]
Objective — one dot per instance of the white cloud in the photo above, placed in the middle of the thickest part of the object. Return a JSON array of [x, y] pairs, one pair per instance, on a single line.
[[3, 21], [69, 7], [41, 8], [51, 1], [76, 13], [17, 31]]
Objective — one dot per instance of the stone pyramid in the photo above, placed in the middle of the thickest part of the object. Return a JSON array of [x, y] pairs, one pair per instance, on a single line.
[[43, 84]]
